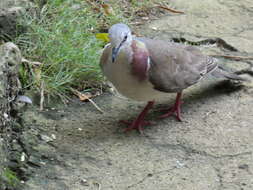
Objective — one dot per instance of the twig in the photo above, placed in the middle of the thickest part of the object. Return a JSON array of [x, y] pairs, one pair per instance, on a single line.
[[95, 105], [169, 9], [236, 58], [41, 95], [80, 95], [136, 23], [30, 62]]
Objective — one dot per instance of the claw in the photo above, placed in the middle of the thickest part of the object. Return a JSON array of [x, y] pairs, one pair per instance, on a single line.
[[175, 109], [171, 112], [139, 122]]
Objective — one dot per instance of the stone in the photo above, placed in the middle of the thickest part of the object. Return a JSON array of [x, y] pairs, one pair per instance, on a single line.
[[10, 13], [10, 149]]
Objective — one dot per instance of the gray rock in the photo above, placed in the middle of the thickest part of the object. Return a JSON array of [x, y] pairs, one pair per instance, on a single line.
[[6, 4], [10, 58], [10, 12]]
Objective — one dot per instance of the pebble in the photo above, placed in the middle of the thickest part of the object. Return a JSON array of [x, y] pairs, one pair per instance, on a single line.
[[46, 138]]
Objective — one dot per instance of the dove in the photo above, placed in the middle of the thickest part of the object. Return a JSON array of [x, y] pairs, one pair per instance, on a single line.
[[145, 69]]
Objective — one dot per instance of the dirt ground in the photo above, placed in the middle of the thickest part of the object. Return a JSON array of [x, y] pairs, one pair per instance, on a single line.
[[79, 148]]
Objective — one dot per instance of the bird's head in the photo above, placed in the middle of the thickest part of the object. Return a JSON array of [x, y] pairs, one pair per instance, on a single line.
[[120, 36]]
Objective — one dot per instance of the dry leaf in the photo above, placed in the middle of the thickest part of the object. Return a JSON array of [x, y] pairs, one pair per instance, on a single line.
[[107, 9], [82, 97], [94, 5]]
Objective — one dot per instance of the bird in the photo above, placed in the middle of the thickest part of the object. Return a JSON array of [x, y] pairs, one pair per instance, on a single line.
[[146, 69]]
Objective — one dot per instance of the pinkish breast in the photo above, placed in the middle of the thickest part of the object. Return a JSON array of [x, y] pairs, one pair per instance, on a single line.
[[140, 61]]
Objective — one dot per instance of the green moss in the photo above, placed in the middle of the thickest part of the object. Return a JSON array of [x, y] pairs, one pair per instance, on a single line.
[[11, 178]]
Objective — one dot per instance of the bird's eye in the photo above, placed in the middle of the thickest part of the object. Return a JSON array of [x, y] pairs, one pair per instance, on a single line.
[[125, 37]]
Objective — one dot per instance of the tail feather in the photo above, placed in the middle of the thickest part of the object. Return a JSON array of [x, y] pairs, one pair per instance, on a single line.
[[219, 72]]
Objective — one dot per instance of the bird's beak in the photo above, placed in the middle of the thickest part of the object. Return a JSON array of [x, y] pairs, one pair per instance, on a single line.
[[115, 52]]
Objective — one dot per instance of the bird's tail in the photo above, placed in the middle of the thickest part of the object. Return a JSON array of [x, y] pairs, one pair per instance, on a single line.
[[220, 72]]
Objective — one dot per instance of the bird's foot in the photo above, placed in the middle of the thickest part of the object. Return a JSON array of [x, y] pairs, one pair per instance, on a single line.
[[175, 109], [171, 111], [135, 124], [139, 122]]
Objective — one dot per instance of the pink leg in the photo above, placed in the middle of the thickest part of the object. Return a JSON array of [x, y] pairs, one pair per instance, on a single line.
[[139, 122], [175, 109]]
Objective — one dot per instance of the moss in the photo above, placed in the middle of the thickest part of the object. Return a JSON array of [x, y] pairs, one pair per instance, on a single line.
[[10, 177]]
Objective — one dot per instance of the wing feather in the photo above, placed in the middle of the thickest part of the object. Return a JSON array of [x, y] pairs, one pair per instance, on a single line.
[[175, 67]]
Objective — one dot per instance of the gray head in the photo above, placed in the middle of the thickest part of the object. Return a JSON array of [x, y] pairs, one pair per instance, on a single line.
[[120, 36]]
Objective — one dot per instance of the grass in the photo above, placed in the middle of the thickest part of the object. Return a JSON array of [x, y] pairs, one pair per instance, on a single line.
[[11, 177], [62, 39], [61, 36]]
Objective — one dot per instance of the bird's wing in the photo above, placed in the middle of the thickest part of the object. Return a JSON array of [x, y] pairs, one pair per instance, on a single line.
[[175, 67]]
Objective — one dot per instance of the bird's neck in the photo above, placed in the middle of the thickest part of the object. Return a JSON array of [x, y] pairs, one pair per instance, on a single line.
[[140, 60]]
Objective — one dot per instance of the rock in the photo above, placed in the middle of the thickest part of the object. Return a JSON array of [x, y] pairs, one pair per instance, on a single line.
[[10, 149], [46, 138], [24, 99], [10, 58], [2, 160], [6, 4], [10, 12]]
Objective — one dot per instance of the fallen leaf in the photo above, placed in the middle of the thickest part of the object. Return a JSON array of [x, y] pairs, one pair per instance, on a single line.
[[94, 5], [82, 97], [107, 9]]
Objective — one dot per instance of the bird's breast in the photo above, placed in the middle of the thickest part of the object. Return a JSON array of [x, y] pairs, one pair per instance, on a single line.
[[120, 75], [140, 62]]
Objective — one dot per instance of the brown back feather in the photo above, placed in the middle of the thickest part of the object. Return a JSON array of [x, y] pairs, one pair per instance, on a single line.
[[175, 67]]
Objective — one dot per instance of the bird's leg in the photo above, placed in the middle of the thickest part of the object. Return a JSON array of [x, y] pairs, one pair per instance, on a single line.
[[175, 109], [139, 122]]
